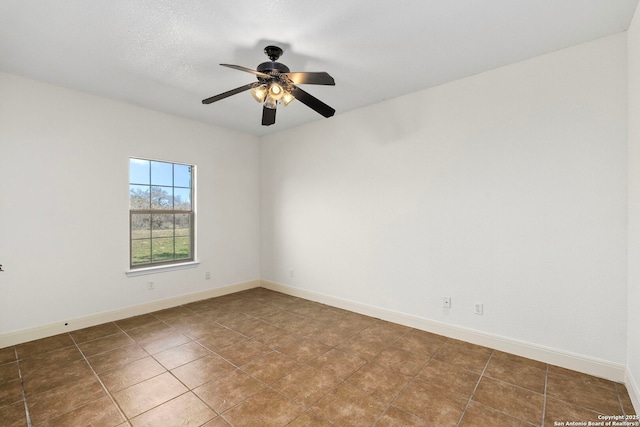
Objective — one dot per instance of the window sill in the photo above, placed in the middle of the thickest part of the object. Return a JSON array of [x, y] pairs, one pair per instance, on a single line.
[[161, 269]]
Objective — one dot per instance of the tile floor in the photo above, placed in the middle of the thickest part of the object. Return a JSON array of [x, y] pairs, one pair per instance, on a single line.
[[260, 358]]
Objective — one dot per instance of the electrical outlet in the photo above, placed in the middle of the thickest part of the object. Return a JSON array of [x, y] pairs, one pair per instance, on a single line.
[[291, 272], [477, 308], [207, 275], [151, 286], [446, 302]]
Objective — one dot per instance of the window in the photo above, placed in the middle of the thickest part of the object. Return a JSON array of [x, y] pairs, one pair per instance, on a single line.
[[161, 217]]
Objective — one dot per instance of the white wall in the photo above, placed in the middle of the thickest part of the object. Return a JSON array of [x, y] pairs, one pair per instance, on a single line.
[[506, 188], [64, 203], [633, 340]]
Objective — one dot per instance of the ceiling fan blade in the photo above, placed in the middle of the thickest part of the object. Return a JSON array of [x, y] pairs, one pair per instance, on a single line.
[[230, 92], [247, 70], [320, 78], [268, 116], [312, 102]]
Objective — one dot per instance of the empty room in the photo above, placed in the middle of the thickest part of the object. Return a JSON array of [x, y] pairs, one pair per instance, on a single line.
[[347, 213]]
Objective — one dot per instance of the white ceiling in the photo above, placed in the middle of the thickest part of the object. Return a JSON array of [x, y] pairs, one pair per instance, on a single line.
[[164, 54]]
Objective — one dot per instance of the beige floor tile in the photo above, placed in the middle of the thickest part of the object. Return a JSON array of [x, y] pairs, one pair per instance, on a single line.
[[136, 322], [13, 415], [148, 394], [401, 361], [244, 352], [185, 410], [309, 419], [517, 373], [220, 338], [104, 344], [348, 406], [133, 373], [303, 350], [265, 409], [395, 417], [379, 381], [557, 411], [7, 354], [99, 413], [466, 358], [180, 355], [10, 392], [172, 313], [224, 393], [57, 376], [420, 342], [365, 346], [307, 385], [193, 326], [515, 401], [203, 370], [449, 377], [46, 362], [94, 332], [572, 389], [217, 422], [339, 363], [9, 372], [478, 415], [43, 345], [58, 401], [444, 408], [271, 367], [116, 358]]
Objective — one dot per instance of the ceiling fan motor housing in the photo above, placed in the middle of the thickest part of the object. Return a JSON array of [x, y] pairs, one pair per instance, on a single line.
[[270, 66]]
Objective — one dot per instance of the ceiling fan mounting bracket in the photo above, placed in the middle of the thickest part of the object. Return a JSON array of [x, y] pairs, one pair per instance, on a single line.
[[273, 52]]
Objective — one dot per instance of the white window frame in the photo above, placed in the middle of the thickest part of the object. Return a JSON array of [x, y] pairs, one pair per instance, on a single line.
[[176, 264]]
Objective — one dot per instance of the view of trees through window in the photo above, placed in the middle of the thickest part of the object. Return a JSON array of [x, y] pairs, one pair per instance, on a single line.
[[161, 212]]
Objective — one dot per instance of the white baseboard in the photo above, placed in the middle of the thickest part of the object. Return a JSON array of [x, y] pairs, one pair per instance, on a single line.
[[633, 389], [19, 337], [599, 368], [576, 362]]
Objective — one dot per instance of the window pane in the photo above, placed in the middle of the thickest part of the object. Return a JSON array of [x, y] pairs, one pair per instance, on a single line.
[[139, 197], [161, 198], [162, 225], [162, 249], [182, 199], [139, 171], [183, 247], [140, 226], [140, 251], [182, 176], [161, 173], [183, 225], [160, 237]]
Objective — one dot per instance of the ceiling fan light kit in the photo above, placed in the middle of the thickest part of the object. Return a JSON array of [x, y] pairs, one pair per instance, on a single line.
[[277, 84]]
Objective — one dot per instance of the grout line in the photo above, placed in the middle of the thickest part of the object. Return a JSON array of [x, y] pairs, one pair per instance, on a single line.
[[24, 395], [620, 400], [475, 388], [100, 381], [544, 396], [411, 381]]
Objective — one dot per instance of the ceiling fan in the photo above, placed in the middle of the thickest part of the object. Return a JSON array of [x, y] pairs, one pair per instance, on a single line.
[[276, 84]]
